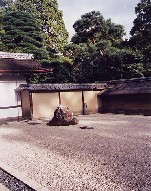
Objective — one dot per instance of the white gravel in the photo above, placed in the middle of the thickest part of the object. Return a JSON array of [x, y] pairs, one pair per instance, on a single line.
[[3, 188], [114, 156]]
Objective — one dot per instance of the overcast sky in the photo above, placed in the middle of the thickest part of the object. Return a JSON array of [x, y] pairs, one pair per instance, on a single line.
[[120, 11]]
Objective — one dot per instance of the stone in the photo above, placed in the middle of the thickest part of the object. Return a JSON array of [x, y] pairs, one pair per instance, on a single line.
[[34, 122], [63, 116], [86, 127]]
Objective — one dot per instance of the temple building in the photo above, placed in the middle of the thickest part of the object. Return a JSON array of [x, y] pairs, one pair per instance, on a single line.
[[14, 68]]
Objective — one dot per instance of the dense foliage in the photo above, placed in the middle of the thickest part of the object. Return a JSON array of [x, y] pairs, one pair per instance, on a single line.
[[141, 33], [97, 51], [23, 34], [1, 3], [92, 27], [62, 73], [48, 16]]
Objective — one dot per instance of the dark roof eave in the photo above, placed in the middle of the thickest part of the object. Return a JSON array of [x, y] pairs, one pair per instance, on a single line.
[[129, 92], [24, 71]]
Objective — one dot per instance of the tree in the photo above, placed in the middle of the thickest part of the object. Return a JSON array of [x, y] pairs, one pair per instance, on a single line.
[[23, 34], [1, 31], [92, 27], [50, 18], [1, 3], [90, 66], [2, 7], [7, 5], [99, 52], [62, 73], [141, 33]]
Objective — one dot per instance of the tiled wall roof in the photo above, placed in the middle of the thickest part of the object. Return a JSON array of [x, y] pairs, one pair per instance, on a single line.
[[60, 87], [137, 85]]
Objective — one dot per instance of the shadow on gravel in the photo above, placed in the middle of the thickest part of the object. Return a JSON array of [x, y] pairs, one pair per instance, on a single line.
[[123, 162], [5, 121], [12, 183]]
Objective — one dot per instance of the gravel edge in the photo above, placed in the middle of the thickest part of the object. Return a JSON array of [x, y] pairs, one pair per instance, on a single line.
[[22, 180]]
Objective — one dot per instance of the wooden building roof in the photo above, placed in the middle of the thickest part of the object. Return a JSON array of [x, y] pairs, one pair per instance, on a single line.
[[131, 86], [10, 65]]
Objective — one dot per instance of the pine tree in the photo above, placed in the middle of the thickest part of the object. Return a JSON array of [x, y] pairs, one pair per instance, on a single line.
[[2, 7], [51, 20], [23, 34], [98, 50], [141, 31], [92, 27], [1, 3]]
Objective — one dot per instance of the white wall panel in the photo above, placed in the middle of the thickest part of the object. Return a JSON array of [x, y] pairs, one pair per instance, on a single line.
[[9, 98]]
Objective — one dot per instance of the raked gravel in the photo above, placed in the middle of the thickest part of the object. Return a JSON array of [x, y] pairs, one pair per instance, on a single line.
[[113, 156]]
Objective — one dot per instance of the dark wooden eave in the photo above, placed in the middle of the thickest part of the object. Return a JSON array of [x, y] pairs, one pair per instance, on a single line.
[[126, 87], [28, 66], [41, 71]]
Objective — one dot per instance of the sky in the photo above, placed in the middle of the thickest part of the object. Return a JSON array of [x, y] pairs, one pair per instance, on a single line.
[[120, 11]]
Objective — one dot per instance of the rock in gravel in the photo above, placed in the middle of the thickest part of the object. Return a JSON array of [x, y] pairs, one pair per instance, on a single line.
[[34, 122], [86, 127], [63, 116]]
